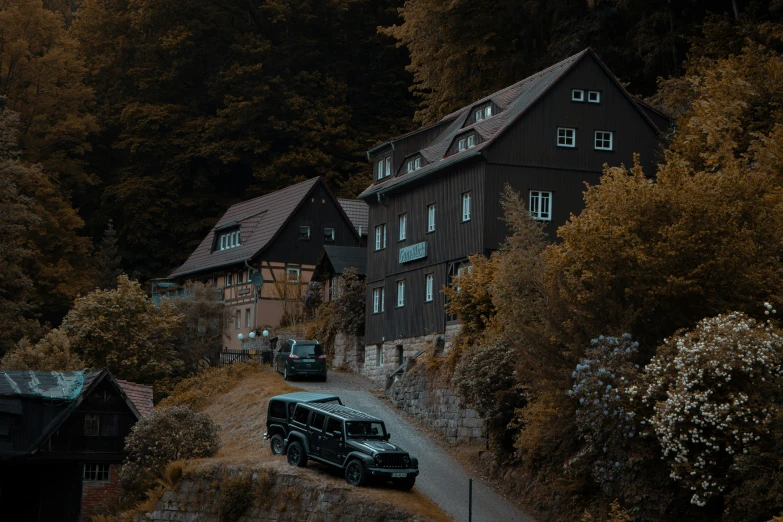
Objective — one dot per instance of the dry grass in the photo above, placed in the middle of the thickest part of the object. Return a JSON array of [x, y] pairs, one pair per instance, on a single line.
[[237, 398]]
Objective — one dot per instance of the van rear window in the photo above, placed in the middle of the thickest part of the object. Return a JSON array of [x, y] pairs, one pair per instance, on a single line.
[[308, 350]]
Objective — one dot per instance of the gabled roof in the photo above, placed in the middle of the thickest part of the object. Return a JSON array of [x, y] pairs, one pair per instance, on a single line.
[[260, 220], [357, 211], [337, 259], [514, 101], [45, 400], [139, 394]]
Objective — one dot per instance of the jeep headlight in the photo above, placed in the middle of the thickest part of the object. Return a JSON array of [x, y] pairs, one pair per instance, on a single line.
[[407, 460], [379, 459]]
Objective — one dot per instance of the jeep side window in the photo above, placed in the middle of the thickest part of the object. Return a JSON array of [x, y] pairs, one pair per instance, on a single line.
[[277, 409], [334, 425], [291, 406], [300, 415], [318, 421]]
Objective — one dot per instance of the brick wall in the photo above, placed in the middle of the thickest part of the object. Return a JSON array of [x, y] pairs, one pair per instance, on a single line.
[[95, 494]]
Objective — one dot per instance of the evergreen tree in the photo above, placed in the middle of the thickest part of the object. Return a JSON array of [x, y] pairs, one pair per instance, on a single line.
[[107, 260]]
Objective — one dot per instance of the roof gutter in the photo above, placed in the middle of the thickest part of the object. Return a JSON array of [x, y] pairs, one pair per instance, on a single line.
[[174, 275], [379, 147], [442, 166]]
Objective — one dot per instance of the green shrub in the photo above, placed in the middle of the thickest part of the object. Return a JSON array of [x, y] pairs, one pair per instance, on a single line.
[[236, 495]]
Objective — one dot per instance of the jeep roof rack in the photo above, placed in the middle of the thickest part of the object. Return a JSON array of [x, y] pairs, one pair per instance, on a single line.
[[304, 397], [343, 412]]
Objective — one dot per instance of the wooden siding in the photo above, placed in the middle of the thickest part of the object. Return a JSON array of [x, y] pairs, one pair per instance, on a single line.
[[532, 140], [318, 212], [406, 146], [452, 240], [566, 186]]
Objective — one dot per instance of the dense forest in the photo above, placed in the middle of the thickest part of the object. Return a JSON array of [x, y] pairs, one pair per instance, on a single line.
[[155, 116]]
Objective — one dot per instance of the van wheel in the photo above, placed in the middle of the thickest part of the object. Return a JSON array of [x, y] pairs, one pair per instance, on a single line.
[[296, 454], [354, 473], [277, 444], [405, 484], [285, 374]]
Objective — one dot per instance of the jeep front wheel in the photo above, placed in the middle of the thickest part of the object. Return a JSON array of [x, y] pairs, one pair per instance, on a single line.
[[405, 484], [354, 473], [277, 444], [296, 454]]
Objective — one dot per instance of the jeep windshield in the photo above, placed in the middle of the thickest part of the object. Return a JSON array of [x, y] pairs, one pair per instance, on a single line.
[[365, 430], [307, 351]]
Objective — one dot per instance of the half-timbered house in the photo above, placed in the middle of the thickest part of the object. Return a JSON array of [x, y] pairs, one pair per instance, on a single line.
[[279, 235]]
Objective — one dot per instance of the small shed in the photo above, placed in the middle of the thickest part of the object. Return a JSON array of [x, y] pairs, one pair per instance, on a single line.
[[333, 262]]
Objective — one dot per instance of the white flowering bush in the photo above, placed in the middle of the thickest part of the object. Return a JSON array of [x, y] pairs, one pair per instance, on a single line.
[[605, 417], [163, 436], [715, 391]]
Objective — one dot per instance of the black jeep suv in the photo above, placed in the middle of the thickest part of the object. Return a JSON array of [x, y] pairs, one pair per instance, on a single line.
[[350, 440], [281, 410]]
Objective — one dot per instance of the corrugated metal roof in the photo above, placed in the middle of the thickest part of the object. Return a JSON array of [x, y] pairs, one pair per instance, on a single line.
[[259, 219], [358, 212], [46, 385]]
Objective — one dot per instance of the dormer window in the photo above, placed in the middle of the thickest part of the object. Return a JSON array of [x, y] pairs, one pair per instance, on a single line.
[[228, 239], [383, 168], [461, 145], [467, 141], [577, 95], [388, 167], [483, 113], [414, 164], [472, 139]]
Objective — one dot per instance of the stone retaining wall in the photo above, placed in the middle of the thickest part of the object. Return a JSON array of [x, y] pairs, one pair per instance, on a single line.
[[199, 497], [437, 404]]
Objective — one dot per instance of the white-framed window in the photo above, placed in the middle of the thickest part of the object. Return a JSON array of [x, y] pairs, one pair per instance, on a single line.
[[222, 242], [304, 232], [247, 317], [577, 95], [92, 424], [487, 111], [328, 235], [292, 274], [403, 218], [604, 140], [383, 299], [380, 355], [380, 169], [430, 218], [229, 279], [376, 300], [414, 164], [400, 293], [479, 115], [541, 205], [239, 319], [566, 137], [461, 145], [593, 96], [428, 285], [250, 274], [471, 141], [239, 278], [380, 237], [466, 206], [96, 472], [388, 166]]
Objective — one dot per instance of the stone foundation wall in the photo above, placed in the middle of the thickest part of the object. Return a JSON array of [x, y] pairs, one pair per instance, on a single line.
[[201, 497], [349, 352], [378, 367], [437, 404]]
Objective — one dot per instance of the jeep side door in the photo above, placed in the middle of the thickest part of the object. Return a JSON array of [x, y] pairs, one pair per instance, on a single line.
[[332, 447], [315, 431]]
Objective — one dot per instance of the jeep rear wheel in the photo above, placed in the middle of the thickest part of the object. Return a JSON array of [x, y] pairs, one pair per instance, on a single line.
[[277, 444], [405, 484], [354, 473], [296, 454]]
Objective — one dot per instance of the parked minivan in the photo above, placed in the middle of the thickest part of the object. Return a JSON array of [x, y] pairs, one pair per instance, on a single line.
[[300, 358]]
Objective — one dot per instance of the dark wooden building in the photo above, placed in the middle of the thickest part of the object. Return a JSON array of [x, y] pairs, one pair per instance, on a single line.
[[333, 263], [435, 198], [279, 235], [62, 440]]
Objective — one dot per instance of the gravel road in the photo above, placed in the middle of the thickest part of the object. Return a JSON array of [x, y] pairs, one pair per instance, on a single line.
[[441, 477]]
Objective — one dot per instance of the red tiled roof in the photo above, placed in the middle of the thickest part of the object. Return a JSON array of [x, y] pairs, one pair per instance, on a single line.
[[139, 394]]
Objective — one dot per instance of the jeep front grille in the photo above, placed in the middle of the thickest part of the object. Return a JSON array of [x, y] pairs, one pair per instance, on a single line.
[[391, 461]]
